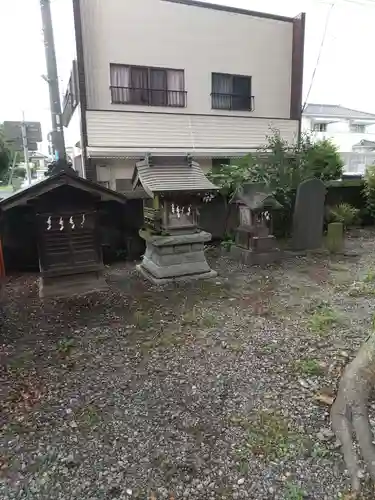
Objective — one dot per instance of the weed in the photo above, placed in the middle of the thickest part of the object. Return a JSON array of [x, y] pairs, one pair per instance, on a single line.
[[322, 319], [270, 348], [227, 244], [208, 321], [236, 347], [142, 320], [294, 492], [268, 435], [243, 467], [369, 277], [320, 451], [361, 289], [65, 346], [310, 367], [89, 415]]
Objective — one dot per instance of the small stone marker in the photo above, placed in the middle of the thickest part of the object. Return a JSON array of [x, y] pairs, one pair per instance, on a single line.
[[308, 215], [335, 237]]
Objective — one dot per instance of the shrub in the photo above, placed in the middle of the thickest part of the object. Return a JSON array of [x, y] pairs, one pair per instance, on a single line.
[[322, 159], [369, 189], [281, 167], [344, 213]]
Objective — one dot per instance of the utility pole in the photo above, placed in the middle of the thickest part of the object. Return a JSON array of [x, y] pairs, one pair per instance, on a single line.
[[53, 83], [25, 149]]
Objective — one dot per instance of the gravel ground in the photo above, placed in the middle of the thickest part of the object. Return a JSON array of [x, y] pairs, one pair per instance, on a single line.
[[210, 390]]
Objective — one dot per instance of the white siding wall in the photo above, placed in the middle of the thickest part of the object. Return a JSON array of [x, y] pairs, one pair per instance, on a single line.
[[198, 40], [123, 169], [190, 133]]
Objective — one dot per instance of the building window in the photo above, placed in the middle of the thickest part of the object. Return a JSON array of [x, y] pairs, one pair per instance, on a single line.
[[320, 127], [147, 86], [232, 92], [358, 129]]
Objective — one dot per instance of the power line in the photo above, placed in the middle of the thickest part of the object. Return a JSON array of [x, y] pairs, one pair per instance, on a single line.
[[361, 3], [319, 54]]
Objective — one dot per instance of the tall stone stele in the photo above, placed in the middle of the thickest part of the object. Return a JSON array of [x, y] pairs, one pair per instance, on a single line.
[[254, 242], [176, 186]]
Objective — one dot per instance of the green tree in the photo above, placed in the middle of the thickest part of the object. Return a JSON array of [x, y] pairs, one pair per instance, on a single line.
[[4, 154], [281, 167], [321, 158], [369, 189]]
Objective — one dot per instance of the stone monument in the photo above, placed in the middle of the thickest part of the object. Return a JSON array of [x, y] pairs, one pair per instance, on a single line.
[[176, 187], [254, 243], [308, 217]]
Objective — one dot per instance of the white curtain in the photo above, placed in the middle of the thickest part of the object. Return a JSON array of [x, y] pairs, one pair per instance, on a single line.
[[221, 85], [120, 83], [175, 84]]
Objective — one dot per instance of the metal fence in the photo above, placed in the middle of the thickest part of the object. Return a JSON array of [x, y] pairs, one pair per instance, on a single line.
[[356, 163]]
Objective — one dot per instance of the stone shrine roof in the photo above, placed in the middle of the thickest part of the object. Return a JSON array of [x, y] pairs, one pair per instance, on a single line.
[[166, 174], [255, 196]]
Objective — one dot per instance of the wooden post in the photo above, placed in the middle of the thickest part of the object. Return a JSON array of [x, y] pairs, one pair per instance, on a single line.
[[2, 265]]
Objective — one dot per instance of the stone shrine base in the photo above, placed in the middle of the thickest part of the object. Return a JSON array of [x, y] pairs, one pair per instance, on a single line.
[[68, 286], [252, 258], [178, 257]]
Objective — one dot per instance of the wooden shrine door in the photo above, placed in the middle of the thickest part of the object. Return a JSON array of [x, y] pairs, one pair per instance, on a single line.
[[68, 243]]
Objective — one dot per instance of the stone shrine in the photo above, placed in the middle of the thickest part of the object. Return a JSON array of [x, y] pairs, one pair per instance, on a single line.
[[176, 187], [254, 243]]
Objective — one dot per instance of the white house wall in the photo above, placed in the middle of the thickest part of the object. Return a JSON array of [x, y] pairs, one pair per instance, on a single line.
[[198, 40], [339, 133]]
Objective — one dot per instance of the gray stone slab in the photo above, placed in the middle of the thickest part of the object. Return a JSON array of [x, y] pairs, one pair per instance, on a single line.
[[175, 270], [308, 215], [177, 239], [164, 281], [252, 258]]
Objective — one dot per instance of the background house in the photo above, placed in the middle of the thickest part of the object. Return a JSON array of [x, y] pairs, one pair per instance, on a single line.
[[203, 79], [353, 132]]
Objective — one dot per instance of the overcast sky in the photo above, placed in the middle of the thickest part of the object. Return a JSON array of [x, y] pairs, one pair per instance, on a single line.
[[344, 75]]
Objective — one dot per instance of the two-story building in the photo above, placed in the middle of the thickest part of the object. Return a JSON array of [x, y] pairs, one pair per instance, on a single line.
[[172, 77], [352, 132]]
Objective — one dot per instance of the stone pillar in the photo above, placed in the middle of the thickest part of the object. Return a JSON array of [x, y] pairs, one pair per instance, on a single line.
[[335, 237]]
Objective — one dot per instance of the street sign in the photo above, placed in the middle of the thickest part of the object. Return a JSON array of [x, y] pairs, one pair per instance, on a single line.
[[17, 145], [13, 131], [34, 131]]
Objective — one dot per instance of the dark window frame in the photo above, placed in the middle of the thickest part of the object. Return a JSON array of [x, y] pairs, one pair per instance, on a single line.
[[150, 96], [357, 128], [320, 127], [71, 96], [232, 101]]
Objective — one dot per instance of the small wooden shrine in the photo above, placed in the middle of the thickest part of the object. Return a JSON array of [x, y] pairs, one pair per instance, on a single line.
[[254, 242], [63, 210], [176, 187]]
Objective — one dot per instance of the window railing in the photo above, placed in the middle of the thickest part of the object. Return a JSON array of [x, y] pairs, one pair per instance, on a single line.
[[148, 97], [232, 101]]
